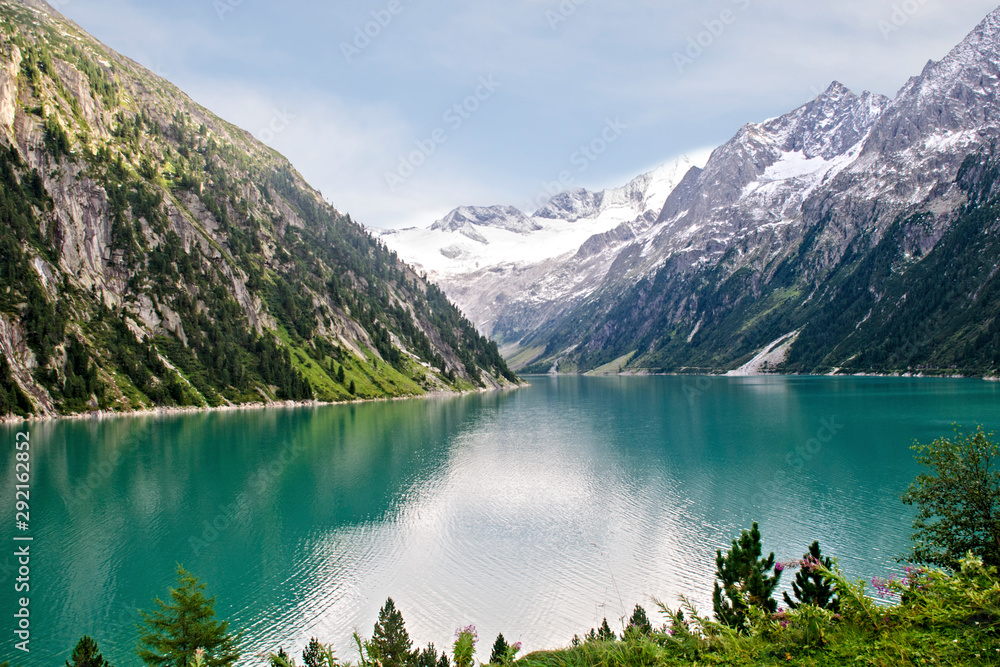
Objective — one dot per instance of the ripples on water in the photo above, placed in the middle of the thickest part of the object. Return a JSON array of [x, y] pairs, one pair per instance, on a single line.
[[536, 512]]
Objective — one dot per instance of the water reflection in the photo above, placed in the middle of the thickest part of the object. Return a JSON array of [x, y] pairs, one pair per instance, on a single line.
[[536, 513]]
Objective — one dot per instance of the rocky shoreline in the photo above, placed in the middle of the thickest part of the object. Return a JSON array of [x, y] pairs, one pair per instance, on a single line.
[[164, 411]]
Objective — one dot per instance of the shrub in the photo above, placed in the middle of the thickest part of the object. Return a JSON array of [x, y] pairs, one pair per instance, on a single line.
[[958, 501]]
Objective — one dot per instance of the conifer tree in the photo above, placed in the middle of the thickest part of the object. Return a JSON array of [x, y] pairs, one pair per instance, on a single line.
[[638, 623], [175, 631], [604, 632], [318, 655], [810, 586], [390, 643], [340, 375], [352, 389], [86, 654], [311, 656], [746, 580], [499, 650], [427, 657]]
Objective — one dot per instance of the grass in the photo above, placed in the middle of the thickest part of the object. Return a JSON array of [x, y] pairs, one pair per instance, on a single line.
[[372, 378], [522, 356], [613, 367]]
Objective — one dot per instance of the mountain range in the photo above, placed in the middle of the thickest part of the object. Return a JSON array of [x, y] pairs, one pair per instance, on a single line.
[[855, 234], [152, 254], [512, 273]]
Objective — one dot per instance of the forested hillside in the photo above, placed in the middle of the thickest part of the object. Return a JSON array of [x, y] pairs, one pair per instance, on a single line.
[[152, 254]]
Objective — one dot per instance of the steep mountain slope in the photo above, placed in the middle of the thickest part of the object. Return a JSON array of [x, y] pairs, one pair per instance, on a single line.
[[511, 273], [855, 231], [152, 254]]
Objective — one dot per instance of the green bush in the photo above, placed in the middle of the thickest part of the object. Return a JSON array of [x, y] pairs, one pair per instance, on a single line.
[[958, 501]]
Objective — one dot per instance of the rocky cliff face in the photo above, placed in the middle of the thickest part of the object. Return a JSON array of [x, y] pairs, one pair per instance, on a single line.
[[156, 255], [804, 225]]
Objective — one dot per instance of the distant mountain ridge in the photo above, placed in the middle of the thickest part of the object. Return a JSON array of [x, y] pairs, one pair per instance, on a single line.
[[153, 255], [511, 271], [801, 230]]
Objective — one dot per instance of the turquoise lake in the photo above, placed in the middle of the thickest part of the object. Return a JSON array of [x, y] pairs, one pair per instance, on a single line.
[[534, 512]]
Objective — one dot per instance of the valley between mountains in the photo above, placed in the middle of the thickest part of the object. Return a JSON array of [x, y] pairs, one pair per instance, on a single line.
[[155, 255], [855, 234]]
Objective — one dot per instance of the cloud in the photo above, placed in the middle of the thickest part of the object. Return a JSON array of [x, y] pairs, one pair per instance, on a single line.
[[566, 67]]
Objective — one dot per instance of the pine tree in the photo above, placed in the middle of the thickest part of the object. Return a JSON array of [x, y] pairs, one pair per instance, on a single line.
[[638, 623], [352, 389], [745, 580], [390, 643], [172, 633], [311, 654], [499, 650], [318, 655], [340, 375], [604, 633], [443, 661], [86, 654], [810, 586], [427, 657]]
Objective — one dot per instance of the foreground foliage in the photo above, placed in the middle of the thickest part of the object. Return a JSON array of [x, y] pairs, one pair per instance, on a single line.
[[184, 631], [940, 618], [747, 584], [958, 500]]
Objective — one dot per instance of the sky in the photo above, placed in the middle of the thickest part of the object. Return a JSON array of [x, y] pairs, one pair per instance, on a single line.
[[399, 111]]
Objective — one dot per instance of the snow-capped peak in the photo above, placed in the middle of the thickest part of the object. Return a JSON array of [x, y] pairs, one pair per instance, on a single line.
[[497, 217]]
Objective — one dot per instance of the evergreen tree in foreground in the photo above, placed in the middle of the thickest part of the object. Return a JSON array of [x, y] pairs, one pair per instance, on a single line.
[[745, 580], [86, 654], [318, 655], [390, 643], [638, 623], [810, 586], [427, 657], [173, 633], [499, 653]]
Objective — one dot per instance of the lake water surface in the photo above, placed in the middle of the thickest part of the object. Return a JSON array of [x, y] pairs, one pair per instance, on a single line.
[[535, 512]]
